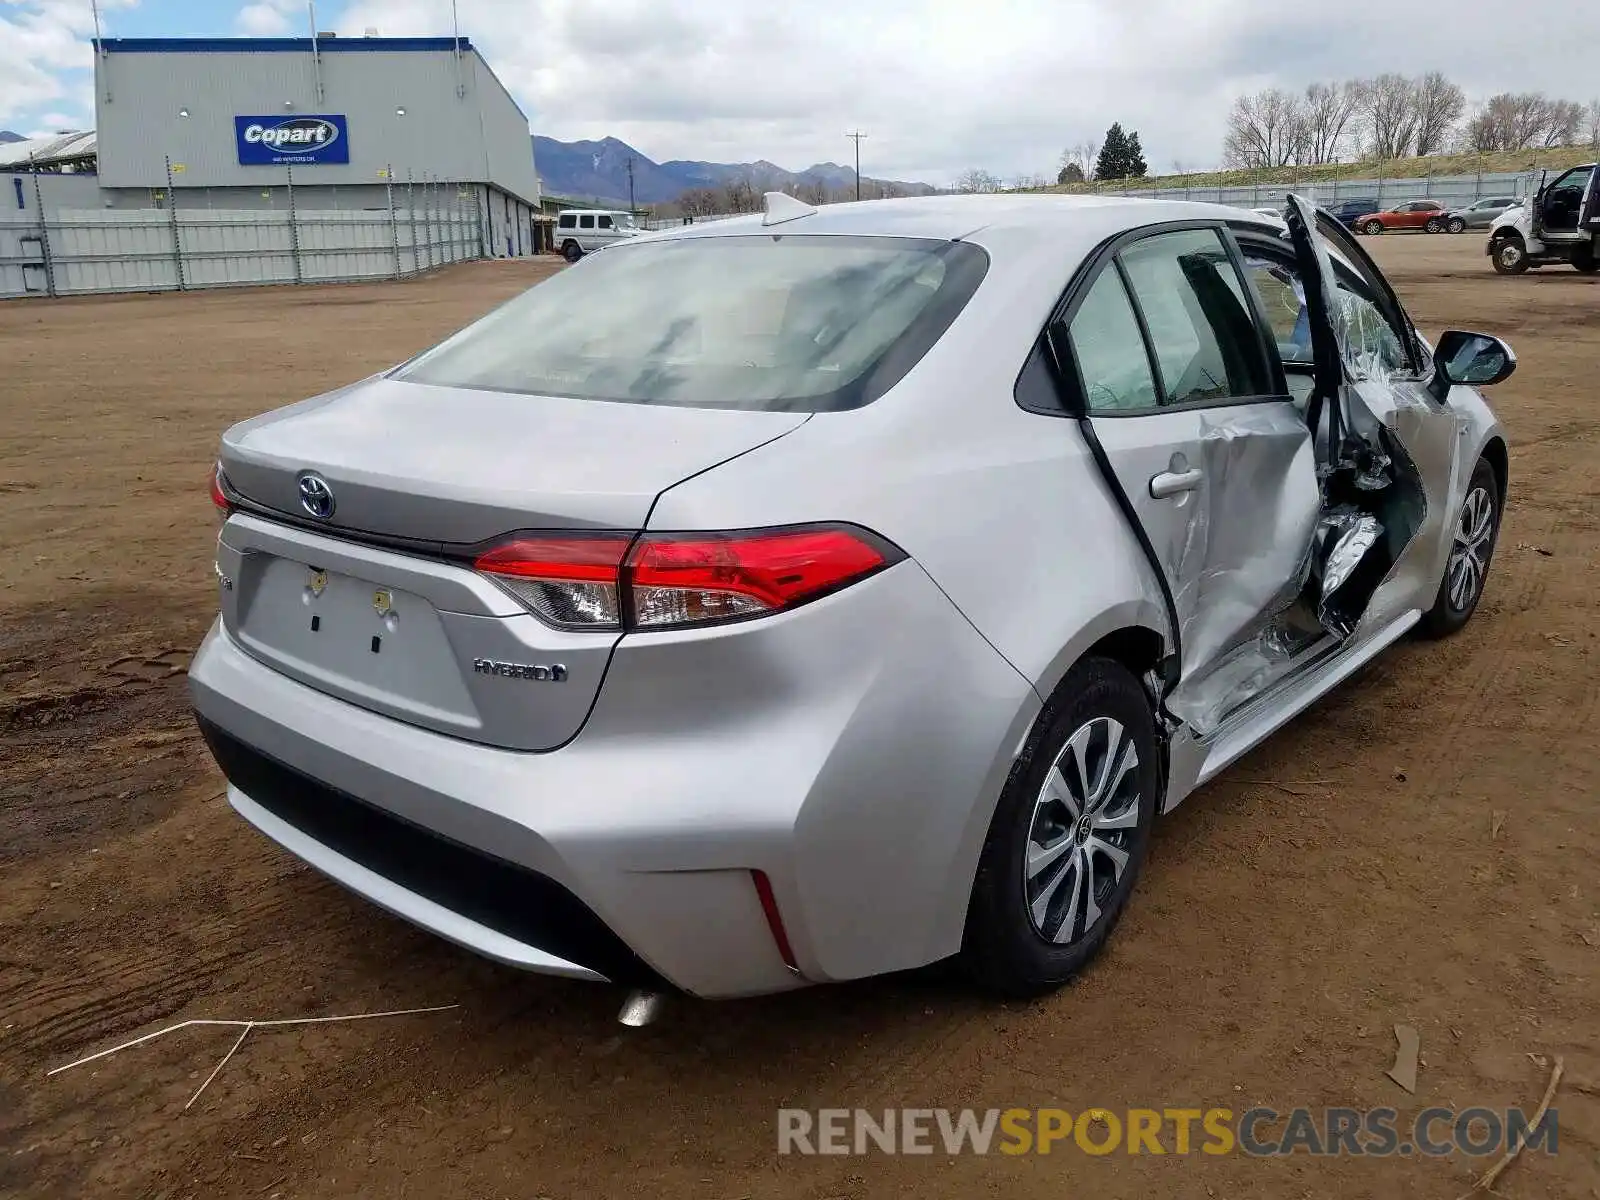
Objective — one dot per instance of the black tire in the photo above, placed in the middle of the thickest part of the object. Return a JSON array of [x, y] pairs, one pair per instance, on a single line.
[[1003, 950], [1434, 225], [571, 251], [1509, 255], [1372, 228], [1457, 225], [1583, 259], [1453, 608]]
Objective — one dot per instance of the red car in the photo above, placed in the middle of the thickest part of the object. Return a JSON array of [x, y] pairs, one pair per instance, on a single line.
[[1416, 214]]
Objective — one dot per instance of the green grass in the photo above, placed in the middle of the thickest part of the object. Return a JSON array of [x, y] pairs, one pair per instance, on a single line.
[[1505, 162]]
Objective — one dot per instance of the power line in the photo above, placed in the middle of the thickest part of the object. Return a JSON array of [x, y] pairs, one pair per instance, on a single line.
[[855, 135]]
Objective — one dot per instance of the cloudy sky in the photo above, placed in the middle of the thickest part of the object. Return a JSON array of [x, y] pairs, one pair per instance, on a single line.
[[938, 85]]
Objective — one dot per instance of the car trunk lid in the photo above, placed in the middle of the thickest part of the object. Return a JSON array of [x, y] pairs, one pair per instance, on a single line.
[[378, 603], [458, 466]]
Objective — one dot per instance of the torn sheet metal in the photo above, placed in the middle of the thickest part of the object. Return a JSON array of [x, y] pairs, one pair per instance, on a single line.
[[1344, 537]]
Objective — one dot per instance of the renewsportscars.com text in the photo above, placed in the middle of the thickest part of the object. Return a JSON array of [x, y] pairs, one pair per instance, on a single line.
[[1259, 1132]]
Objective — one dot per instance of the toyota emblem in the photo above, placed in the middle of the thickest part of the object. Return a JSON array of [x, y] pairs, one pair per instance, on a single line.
[[316, 497]]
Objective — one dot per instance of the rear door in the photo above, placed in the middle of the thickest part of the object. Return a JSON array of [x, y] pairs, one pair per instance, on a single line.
[[1198, 432]]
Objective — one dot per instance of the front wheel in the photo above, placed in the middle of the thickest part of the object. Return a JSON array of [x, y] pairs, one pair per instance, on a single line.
[[1434, 225], [1510, 256], [1372, 227], [1477, 529], [1457, 225], [1068, 837]]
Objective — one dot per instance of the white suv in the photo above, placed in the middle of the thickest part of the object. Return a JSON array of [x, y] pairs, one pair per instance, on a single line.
[[580, 230]]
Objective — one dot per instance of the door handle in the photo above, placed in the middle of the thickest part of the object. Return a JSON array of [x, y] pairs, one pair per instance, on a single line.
[[1170, 483]]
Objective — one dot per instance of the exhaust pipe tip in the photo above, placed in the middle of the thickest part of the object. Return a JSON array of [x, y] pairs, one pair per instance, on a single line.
[[641, 1008]]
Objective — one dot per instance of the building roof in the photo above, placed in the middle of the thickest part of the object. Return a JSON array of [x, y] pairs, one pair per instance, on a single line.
[[48, 151], [324, 45]]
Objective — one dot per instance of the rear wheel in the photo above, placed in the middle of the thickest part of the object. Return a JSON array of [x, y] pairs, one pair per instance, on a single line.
[[571, 251], [1477, 529], [1068, 837], [1372, 227], [1584, 260], [1457, 225], [1510, 256]]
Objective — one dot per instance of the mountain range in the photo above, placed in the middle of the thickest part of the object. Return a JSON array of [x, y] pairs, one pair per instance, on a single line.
[[599, 171], [7, 136]]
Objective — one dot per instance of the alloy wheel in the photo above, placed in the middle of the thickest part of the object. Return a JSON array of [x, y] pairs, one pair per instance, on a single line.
[[1469, 553], [1084, 821]]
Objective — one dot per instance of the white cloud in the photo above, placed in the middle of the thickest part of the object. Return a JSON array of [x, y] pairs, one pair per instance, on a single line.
[[47, 60], [940, 85], [268, 18]]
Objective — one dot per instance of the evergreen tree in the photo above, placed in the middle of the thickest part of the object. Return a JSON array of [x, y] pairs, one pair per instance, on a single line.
[[1121, 156], [1135, 166], [1113, 154], [1070, 173]]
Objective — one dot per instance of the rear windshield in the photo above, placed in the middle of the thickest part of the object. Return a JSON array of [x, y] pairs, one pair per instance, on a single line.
[[786, 323]]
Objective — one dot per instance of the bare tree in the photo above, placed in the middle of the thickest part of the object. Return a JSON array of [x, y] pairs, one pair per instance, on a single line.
[[1593, 120], [1265, 130], [1523, 120], [1388, 113], [813, 191], [1439, 105], [1563, 123], [1327, 111], [740, 196], [1077, 162], [701, 202], [975, 180]]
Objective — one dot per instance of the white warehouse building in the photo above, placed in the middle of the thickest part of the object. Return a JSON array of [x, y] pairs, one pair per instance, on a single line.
[[351, 123]]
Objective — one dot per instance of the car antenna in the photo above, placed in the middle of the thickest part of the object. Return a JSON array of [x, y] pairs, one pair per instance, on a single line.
[[779, 207]]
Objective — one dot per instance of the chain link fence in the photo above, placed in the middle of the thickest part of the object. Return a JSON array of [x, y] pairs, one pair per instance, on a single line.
[[204, 238]]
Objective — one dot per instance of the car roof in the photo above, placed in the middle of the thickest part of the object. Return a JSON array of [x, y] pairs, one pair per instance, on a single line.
[[953, 218]]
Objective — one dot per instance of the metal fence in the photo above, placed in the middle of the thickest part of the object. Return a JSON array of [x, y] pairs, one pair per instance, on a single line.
[[1453, 191], [75, 251]]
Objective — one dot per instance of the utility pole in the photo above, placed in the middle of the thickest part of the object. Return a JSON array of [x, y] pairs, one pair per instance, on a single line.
[[855, 135], [631, 206]]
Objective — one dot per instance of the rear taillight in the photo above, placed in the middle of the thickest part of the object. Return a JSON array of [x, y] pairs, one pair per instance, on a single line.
[[570, 582], [694, 578], [669, 581], [219, 497]]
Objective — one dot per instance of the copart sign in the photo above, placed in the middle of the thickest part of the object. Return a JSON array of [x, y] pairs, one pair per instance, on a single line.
[[301, 138]]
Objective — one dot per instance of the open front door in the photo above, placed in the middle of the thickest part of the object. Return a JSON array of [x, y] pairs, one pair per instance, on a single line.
[[1192, 422]]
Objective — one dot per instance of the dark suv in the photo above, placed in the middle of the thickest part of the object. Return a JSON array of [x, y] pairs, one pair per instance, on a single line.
[[1350, 211]]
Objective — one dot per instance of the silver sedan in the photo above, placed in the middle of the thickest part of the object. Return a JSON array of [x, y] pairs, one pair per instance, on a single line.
[[828, 592], [1480, 214]]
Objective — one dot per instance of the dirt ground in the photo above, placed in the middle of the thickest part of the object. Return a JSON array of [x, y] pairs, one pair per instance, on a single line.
[[1420, 849]]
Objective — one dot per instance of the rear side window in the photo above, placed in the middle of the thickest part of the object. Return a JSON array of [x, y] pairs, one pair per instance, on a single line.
[[792, 323], [1205, 339], [568, 221], [1113, 367]]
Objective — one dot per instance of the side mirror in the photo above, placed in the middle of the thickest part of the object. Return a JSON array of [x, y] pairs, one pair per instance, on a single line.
[[1474, 359]]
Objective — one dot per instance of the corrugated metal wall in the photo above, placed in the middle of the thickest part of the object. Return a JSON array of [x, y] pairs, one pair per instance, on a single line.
[[80, 251], [478, 136]]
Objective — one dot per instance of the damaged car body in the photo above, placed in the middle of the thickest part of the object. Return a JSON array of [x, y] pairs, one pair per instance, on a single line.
[[886, 571]]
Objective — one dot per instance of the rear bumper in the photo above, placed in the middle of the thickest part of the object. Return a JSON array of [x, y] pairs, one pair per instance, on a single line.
[[851, 750]]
